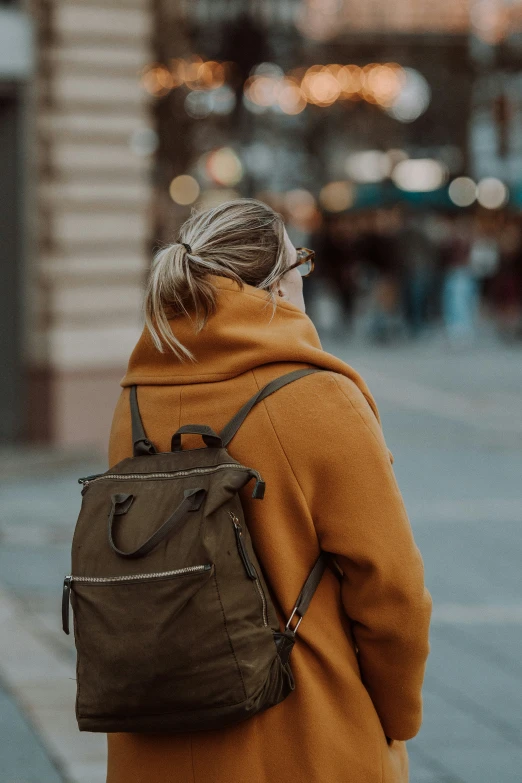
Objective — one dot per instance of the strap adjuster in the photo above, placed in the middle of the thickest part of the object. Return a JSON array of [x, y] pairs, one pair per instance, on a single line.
[[296, 626]]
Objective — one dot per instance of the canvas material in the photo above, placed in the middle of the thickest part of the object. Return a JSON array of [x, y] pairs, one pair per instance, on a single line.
[[189, 651]]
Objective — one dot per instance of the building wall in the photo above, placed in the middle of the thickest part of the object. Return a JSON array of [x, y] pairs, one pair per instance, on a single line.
[[92, 228]]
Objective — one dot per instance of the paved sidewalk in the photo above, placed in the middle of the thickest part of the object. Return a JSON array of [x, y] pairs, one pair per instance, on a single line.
[[39, 502], [454, 424], [25, 750]]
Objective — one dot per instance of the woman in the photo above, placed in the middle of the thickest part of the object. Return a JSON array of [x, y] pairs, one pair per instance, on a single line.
[[224, 316]]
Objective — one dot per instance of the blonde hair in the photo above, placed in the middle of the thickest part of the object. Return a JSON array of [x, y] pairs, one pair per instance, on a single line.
[[242, 239]]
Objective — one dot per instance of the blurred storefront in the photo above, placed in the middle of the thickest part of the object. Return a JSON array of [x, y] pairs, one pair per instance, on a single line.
[[385, 133]]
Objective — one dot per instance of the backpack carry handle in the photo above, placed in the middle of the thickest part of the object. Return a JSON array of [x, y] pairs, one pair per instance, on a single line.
[[121, 504], [211, 438]]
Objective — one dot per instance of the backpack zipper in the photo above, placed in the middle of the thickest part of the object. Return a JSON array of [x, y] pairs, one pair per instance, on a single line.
[[137, 577], [69, 579], [249, 566], [258, 489]]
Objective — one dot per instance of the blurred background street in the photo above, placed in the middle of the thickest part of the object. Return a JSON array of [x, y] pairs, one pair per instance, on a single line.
[[390, 138]]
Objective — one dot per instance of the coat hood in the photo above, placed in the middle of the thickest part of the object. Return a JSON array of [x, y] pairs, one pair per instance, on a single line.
[[243, 334]]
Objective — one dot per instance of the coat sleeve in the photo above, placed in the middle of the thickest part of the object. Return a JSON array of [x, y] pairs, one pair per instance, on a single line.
[[346, 475]]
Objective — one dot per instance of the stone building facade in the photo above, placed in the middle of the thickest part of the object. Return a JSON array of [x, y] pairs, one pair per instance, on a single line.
[[91, 200]]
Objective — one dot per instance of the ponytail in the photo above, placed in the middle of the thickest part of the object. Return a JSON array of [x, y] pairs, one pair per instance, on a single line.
[[243, 240]]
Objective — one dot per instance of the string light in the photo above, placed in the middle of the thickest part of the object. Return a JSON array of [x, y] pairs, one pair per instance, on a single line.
[[402, 92]]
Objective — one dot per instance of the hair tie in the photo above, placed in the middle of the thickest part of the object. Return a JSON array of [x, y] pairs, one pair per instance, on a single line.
[[187, 247]]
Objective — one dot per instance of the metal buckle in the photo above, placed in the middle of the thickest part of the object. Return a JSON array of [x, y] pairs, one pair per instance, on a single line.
[[296, 626]]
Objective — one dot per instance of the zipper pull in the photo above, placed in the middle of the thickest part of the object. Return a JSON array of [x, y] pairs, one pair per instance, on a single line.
[[249, 568], [65, 603], [87, 479]]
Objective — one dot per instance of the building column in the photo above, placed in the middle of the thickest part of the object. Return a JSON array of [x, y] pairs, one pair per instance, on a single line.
[[93, 213]]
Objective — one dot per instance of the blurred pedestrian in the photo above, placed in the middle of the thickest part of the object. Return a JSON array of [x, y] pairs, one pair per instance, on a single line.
[[417, 258], [380, 249], [460, 289], [225, 315], [338, 251], [506, 286]]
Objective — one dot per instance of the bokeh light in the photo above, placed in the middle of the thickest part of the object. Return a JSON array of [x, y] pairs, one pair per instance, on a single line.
[[413, 98], [421, 175], [223, 100], [300, 206], [492, 193], [224, 167], [191, 71], [157, 80], [320, 86], [337, 196], [383, 83], [350, 79], [368, 166], [198, 105], [290, 97], [463, 191], [403, 93], [184, 189], [268, 69]]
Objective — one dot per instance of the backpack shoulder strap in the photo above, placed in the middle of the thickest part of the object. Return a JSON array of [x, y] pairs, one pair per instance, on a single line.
[[228, 432], [285, 640], [308, 589], [140, 443]]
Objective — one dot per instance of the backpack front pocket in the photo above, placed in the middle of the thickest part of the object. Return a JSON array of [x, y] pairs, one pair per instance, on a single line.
[[151, 643]]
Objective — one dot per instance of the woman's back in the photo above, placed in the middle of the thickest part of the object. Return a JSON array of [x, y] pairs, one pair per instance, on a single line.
[[360, 654]]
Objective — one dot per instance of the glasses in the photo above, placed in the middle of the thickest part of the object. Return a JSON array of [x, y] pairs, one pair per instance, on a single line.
[[305, 261]]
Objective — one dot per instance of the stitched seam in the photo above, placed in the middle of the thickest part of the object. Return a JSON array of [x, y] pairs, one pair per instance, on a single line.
[[152, 380], [357, 411], [229, 639]]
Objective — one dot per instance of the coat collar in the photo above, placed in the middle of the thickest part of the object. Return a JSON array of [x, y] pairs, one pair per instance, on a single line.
[[243, 334]]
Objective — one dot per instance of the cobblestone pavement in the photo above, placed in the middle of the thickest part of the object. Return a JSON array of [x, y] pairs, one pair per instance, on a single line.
[[454, 424]]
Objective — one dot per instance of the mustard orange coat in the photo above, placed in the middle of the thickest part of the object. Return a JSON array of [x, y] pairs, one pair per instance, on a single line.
[[359, 661]]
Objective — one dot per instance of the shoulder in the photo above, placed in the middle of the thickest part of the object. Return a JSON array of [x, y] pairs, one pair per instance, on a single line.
[[332, 390], [325, 400], [326, 418]]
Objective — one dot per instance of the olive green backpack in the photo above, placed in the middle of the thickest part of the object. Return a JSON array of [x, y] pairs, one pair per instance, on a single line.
[[174, 626]]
